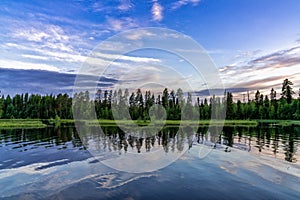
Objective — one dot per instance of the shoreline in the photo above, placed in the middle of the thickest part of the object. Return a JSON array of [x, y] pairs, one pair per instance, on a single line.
[[42, 123]]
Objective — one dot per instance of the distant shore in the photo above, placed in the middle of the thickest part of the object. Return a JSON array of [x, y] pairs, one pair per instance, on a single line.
[[22, 123], [42, 123]]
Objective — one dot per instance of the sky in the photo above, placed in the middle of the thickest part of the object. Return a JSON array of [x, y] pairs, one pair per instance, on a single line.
[[253, 44]]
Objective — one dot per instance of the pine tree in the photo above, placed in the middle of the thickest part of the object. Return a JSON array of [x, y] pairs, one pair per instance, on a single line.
[[287, 91], [229, 106], [165, 98]]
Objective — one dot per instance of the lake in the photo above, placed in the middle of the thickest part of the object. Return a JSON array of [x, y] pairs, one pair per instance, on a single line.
[[188, 162]]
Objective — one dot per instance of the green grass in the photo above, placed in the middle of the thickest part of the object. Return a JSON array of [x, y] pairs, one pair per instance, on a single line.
[[39, 123], [215, 122], [175, 122], [21, 123], [281, 122], [59, 121]]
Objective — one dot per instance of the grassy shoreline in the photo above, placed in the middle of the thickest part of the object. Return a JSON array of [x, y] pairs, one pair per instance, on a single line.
[[22, 123], [280, 122], [178, 122], [42, 123]]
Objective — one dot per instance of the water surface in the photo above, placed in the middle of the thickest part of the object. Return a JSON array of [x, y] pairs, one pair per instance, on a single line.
[[55, 163]]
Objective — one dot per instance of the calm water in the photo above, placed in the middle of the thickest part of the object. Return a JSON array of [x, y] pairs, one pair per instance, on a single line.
[[60, 163]]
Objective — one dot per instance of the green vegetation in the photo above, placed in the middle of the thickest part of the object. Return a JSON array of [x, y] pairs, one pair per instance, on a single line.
[[175, 122], [21, 123], [35, 106], [35, 123], [178, 106], [280, 122]]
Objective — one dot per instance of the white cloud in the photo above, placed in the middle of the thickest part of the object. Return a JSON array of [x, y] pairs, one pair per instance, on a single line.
[[9, 44], [47, 54], [157, 11], [115, 24], [264, 71], [181, 3], [120, 24], [127, 58], [12, 64], [63, 56], [43, 33], [58, 46], [140, 34], [42, 39], [153, 77], [32, 35], [115, 65], [139, 59], [46, 42], [34, 57], [50, 36], [125, 5], [98, 7]]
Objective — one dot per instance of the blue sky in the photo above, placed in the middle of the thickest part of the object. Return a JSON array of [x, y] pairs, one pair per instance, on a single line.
[[254, 44]]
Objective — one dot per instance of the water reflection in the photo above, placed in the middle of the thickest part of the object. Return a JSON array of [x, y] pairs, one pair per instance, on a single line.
[[170, 139], [280, 141], [26, 139], [277, 141]]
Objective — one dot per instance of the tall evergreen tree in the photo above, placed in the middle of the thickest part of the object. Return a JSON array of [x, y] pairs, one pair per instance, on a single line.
[[165, 98], [229, 106], [287, 91]]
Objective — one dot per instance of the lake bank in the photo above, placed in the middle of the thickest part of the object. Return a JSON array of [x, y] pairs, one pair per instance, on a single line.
[[41, 123], [279, 122], [22, 123]]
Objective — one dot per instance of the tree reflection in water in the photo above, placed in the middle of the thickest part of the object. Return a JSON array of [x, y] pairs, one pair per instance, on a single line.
[[276, 141], [281, 142]]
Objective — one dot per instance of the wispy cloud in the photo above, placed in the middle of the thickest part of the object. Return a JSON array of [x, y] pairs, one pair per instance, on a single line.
[[50, 33], [45, 35], [36, 51], [247, 54], [283, 58], [152, 77], [139, 34], [264, 71], [157, 11], [112, 6], [125, 5], [119, 24], [12, 64], [51, 38], [115, 65], [35, 57], [58, 41], [265, 83], [50, 44], [98, 7], [181, 3]]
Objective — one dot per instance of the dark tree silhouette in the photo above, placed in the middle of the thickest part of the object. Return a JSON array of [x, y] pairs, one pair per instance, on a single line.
[[287, 91]]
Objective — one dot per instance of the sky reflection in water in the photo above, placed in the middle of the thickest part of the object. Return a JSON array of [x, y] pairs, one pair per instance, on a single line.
[[52, 163]]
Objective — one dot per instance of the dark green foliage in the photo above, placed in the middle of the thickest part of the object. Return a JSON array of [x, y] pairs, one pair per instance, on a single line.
[[36, 106], [287, 91], [178, 105], [229, 106]]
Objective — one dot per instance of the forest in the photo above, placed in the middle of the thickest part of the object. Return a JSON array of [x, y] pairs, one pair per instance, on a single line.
[[176, 104]]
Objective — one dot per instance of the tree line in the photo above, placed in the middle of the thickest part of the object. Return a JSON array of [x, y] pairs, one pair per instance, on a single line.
[[177, 105], [35, 106]]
